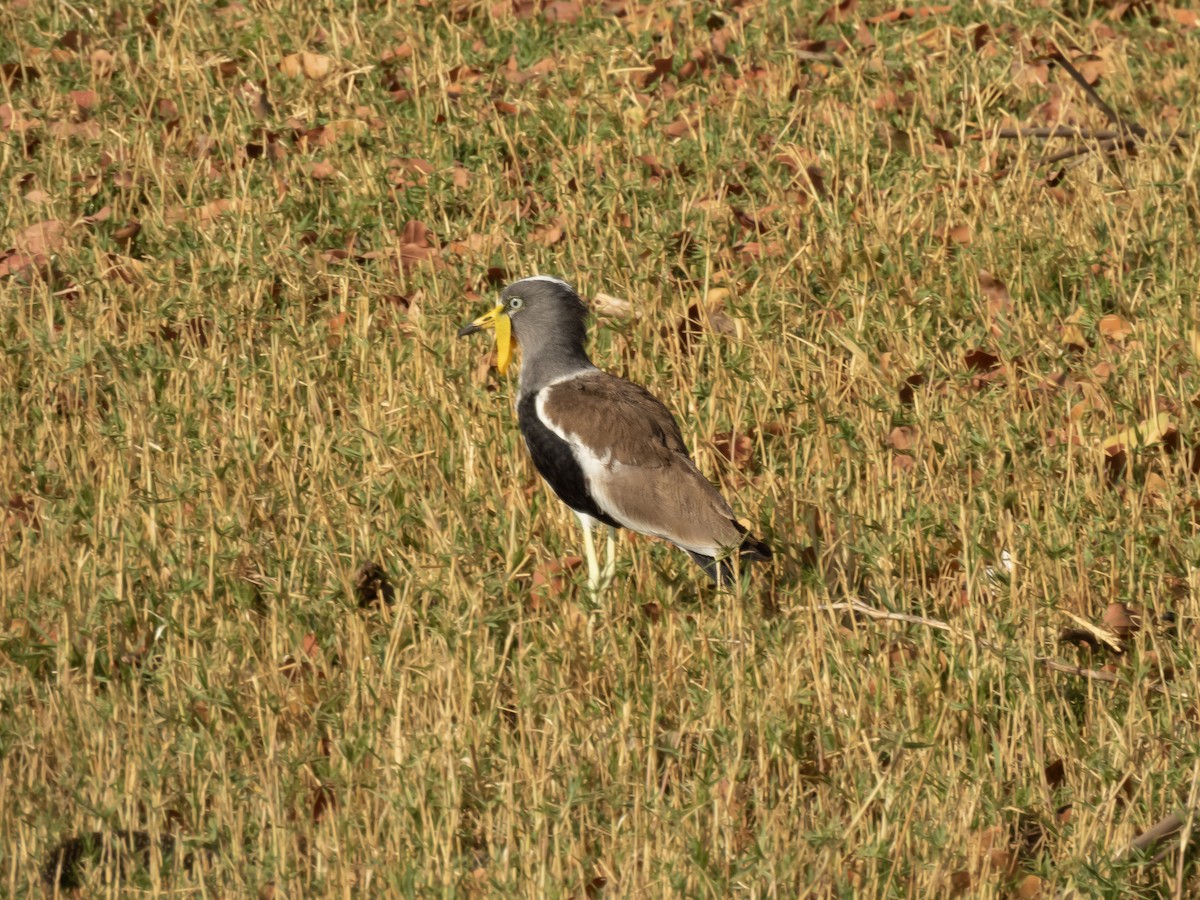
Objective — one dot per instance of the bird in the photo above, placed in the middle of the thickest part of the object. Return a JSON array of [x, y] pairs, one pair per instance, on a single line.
[[607, 447]]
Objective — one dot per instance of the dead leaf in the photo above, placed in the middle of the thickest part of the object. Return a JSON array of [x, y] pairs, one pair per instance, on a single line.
[[1072, 338], [13, 74], [1121, 620], [310, 646], [333, 340], [551, 578], [324, 800], [332, 132], [611, 307], [681, 127], [960, 883], [1030, 74], [1141, 435], [999, 303], [736, 447], [312, 66], [1188, 18], [397, 53], [889, 100], [209, 212], [959, 234], [85, 100], [103, 62], [1114, 328], [321, 171], [100, 215], [1030, 888], [564, 11], [980, 360], [908, 13], [127, 232], [1092, 69], [42, 238], [839, 12], [902, 438]]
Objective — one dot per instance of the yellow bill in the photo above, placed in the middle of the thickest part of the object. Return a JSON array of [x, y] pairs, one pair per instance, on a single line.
[[498, 320]]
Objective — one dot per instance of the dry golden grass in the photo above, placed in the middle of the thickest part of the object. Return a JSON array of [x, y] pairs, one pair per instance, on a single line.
[[212, 422]]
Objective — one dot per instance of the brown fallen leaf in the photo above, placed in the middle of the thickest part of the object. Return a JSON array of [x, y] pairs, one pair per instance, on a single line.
[[127, 232], [960, 883], [1030, 888], [549, 235], [1121, 620], [911, 12], [999, 302], [1030, 74], [41, 238], [1141, 435], [102, 62], [735, 447], [1188, 18], [336, 325], [312, 66], [321, 171], [611, 307], [85, 100], [1114, 328], [902, 438], [329, 134], [551, 578], [980, 360], [958, 234], [1092, 69], [839, 12], [209, 212], [100, 215], [323, 801], [563, 11], [681, 127]]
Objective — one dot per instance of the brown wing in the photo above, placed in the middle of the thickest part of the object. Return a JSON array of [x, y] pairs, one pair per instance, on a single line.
[[624, 418], [637, 467]]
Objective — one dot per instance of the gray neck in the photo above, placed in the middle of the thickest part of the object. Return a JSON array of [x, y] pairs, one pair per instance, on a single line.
[[550, 363]]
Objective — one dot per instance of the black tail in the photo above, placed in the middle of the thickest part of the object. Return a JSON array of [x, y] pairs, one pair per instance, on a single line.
[[721, 570]]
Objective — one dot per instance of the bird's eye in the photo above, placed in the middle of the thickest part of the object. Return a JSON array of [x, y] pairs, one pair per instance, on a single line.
[[515, 303]]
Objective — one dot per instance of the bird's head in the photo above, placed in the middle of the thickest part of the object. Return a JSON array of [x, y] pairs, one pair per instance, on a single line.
[[538, 311]]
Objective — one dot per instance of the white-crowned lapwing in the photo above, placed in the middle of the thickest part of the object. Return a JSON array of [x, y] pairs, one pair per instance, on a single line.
[[606, 446]]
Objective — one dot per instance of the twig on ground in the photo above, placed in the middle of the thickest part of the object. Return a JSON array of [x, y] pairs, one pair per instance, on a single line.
[[872, 612], [1126, 136], [1111, 114], [1058, 131], [1048, 662], [1160, 830]]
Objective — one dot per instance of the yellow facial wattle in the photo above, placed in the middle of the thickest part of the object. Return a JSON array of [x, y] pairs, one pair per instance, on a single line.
[[503, 327]]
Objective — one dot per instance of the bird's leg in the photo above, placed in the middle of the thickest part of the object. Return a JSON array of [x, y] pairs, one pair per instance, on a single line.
[[589, 550], [610, 557]]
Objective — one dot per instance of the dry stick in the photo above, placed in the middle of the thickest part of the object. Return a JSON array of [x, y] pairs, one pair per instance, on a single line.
[[1058, 131], [1127, 137], [1080, 149], [1160, 830], [1096, 99], [1049, 662]]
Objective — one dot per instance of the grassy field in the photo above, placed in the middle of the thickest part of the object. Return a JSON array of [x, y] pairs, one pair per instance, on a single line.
[[284, 609]]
